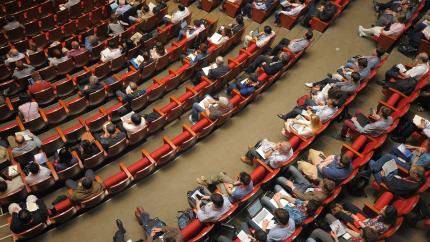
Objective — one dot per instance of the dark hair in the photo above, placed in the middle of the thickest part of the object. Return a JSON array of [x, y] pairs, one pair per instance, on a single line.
[[87, 183], [10, 18], [24, 97], [380, 52], [86, 146], [110, 128], [386, 112], [145, 8], [111, 44], [197, 22], [3, 186], [159, 47], [136, 119], [267, 29], [282, 216], [217, 199], [390, 215], [24, 216], [345, 160], [33, 168], [328, 184], [245, 178], [355, 76], [56, 53], [181, 7], [362, 62], [312, 206], [260, 235], [239, 19], [203, 47], [64, 156], [370, 235], [309, 35]]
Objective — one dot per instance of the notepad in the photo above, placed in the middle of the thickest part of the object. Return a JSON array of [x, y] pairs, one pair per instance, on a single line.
[[405, 151], [25, 134], [12, 171], [389, 167], [338, 228], [242, 236], [207, 98], [215, 38], [283, 201]]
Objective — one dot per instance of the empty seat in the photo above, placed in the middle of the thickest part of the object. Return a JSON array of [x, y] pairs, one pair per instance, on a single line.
[[14, 34]]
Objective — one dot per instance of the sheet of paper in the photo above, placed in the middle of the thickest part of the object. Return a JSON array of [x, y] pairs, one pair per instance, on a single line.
[[417, 120], [401, 67], [127, 116], [405, 151], [40, 158], [12, 170], [242, 236], [389, 167], [197, 192], [25, 134], [283, 201], [215, 38], [338, 228], [207, 97]]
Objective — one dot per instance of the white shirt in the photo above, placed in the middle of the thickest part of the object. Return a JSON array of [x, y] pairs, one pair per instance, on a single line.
[[295, 10], [418, 71], [195, 32], [324, 112], [108, 54], [132, 128], [179, 15], [395, 29], [40, 176], [426, 129], [263, 39]]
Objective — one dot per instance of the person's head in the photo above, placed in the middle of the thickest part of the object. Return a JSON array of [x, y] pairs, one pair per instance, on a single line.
[[284, 57], [245, 178], [355, 77], [331, 102], [64, 155], [309, 35], [145, 8], [136, 119], [267, 29], [389, 215], [362, 62], [417, 173], [56, 53], [159, 47], [312, 206], [328, 185], [197, 22], [386, 112], [112, 45], [13, 52], [239, 19], [86, 146], [260, 236], [14, 208], [282, 216], [33, 168], [345, 160], [217, 199], [369, 234], [378, 52], [32, 45], [223, 102], [3, 186], [24, 216], [75, 45], [181, 7], [19, 139], [19, 64], [284, 147], [228, 32], [422, 57], [203, 47], [110, 128], [315, 121], [133, 86], [113, 18], [219, 60], [87, 183], [93, 39]]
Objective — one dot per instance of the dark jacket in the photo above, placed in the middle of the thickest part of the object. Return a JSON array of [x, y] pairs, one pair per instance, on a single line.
[[273, 66], [107, 142], [159, 7], [218, 72], [328, 12], [401, 186]]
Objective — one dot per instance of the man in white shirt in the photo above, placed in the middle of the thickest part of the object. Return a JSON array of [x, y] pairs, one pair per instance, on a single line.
[[37, 173], [261, 39], [274, 153], [289, 9], [395, 29], [133, 124], [110, 53], [177, 16], [324, 112]]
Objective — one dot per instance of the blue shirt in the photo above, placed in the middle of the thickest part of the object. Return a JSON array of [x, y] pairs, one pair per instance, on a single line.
[[239, 192], [297, 213], [280, 233], [423, 161], [335, 172]]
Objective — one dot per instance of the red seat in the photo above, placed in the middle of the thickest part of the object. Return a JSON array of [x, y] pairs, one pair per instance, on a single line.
[[65, 88], [97, 97], [77, 105]]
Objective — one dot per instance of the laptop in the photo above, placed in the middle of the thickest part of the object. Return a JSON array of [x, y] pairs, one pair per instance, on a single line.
[[258, 213]]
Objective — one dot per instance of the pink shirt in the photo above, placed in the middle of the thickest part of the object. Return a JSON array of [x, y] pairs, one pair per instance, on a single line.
[[29, 111]]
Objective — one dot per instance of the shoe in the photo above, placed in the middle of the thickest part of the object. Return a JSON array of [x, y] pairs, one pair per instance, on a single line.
[[281, 116], [191, 120], [245, 160], [309, 84], [120, 226]]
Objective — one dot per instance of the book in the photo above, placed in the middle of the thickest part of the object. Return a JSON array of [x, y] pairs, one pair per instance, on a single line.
[[283, 201], [207, 98], [25, 134], [207, 68], [299, 127], [418, 119], [196, 192], [389, 167], [338, 228], [405, 151], [12, 171], [242, 236], [401, 67], [215, 38]]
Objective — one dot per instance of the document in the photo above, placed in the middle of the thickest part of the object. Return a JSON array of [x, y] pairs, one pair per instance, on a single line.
[[338, 228], [389, 167], [207, 98], [242, 236]]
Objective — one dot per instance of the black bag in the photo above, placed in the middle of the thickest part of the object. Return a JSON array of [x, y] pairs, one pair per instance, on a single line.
[[191, 200], [357, 185], [150, 117], [185, 217]]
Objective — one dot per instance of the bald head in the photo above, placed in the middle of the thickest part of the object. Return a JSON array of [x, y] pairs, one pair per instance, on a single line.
[[19, 139], [219, 60], [13, 52], [422, 57], [285, 147], [75, 45]]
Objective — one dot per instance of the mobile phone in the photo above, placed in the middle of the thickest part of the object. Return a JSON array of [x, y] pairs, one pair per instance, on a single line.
[[198, 196]]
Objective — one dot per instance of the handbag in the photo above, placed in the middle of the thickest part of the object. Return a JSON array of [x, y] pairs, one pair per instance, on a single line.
[[185, 217]]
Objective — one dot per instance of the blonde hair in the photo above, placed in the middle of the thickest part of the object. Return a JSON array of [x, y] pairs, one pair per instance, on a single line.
[[315, 123]]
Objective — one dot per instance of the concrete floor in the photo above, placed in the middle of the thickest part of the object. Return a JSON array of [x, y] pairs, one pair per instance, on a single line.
[[164, 193]]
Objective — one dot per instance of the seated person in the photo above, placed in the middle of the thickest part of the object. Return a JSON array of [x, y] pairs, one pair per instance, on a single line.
[[372, 60], [303, 189], [115, 26], [393, 29], [158, 51], [110, 53], [324, 112], [143, 15], [216, 70], [75, 50], [29, 109], [93, 85], [57, 58], [24, 220], [366, 234], [238, 25], [24, 146], [406, 127], [110, 136], [13, 56], [123, 7], [10, 186], [257, 4], [235, 190], [333, 167], [396, 184], [11, 23], [133, 124], [411, 156], [246, 84], [295, 45], [300, 210], [37, 173], [221, 36], [178, 15], [91, 41], [32, 48], [64, 159], [85, 188], [38, 85], [284, 227], [159, 5], [195, 56], [303, 127], [22, 70], [274, 153], [212, 108], [131, 92], [360, 67], [261, 39], [191, 31], [325, 12], [379, 223], [270, 64], [375, 126], [214, 210], [86, 149], [289, 8]]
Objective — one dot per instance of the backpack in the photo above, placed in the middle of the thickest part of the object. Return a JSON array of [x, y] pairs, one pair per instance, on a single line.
[[185, 217]]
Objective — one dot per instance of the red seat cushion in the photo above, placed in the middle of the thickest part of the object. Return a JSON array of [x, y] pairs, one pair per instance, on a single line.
[[168, 107], [137, 166], [164, 149], [95, 117], [294, 141], [200, 86], [183, 68], [192, 229], [152, 87], [63, 205], [197, 127], [115, 179], [235, 100], [185, 96], [179, 139], [167, 78], [383, 200], [258, 174]]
